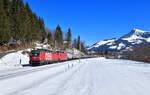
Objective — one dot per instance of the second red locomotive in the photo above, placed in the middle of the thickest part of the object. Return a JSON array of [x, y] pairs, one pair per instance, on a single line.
[[41, 56]]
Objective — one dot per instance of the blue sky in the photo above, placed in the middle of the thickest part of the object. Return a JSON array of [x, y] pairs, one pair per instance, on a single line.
[[94, 20]]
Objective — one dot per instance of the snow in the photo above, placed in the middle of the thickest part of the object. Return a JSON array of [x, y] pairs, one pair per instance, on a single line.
[[102, 43], [148, 39], [132, 38], [96, 76], [137, 31], [41, 45], [120, 46], [13, 59], [113, 47], [135, 38], [76, 51], [110, 43]]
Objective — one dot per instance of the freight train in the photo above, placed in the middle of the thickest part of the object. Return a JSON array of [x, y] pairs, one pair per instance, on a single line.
[[42, 56]]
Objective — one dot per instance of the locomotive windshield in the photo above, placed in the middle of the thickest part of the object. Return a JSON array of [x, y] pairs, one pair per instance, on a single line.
[[35, 53]]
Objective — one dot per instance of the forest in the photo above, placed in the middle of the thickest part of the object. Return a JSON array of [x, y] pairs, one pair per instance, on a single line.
[[20, 25]]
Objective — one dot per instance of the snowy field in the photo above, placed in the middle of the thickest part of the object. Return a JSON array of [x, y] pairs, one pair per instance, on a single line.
[[96, 76]]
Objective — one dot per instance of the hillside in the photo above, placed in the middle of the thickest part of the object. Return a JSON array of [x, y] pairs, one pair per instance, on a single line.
[[133, 38]]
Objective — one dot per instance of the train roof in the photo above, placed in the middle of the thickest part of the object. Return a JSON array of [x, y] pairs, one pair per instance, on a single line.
[[42, 50], [45, 50]]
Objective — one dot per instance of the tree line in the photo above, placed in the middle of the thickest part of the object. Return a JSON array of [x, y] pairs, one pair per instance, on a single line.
[[138, 53], [57, 39], [20, 25]]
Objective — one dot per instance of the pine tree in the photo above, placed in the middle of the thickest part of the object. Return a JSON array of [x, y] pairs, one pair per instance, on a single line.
[[83, 47], [28, 23], [4, 25], [58, 35], [7, 22], [18, 19], [69, 37], [50, 37], [74, 45], [23, 22], [42, 29], [7, 7], [79, 43], [35, 28], [61, 37]]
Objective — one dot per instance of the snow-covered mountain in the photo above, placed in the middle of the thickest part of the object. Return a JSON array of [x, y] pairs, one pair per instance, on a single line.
[[133, 38]]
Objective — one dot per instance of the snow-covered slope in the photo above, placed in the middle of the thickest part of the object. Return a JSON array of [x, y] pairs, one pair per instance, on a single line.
[[16, 59], [134, 38], [96, 45]]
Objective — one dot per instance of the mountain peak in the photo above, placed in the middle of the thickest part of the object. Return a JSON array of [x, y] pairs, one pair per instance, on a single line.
[[133, 38], [135, 32], [138, 31]]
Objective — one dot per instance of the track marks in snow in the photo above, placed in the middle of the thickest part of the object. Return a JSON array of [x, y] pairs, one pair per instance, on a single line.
[[51, 83], [106, 78], [90, 77], [81, 83]]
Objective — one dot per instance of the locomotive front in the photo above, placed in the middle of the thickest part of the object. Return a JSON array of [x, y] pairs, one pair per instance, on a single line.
[[35, 57]]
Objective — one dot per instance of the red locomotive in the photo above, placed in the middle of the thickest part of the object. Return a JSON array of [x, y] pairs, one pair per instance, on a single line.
[[41, 56]]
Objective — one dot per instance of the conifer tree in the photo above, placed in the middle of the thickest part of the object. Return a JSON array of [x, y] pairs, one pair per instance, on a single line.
[[23, 27], [42, 29], [83, 48], [58, 35], [50, 37], [28, 23], [4, 25], [69, 37], [79, 43], [7, 7], [18, 17], [35, 28], [74, 45]]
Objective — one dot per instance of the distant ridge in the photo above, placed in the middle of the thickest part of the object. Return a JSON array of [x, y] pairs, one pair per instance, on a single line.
[[133, 38]]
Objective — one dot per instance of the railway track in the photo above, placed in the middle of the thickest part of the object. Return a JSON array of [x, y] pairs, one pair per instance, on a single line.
[[3, 54], [25, 71]]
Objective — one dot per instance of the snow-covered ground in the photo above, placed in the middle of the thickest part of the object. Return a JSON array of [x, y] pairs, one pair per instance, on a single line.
[[14, 60], [96, 76]]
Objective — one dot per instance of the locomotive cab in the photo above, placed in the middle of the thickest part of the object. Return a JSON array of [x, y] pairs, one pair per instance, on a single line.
[[35, 57]]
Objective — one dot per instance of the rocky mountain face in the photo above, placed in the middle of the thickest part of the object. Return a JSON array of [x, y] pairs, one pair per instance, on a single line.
[[133, 38]]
